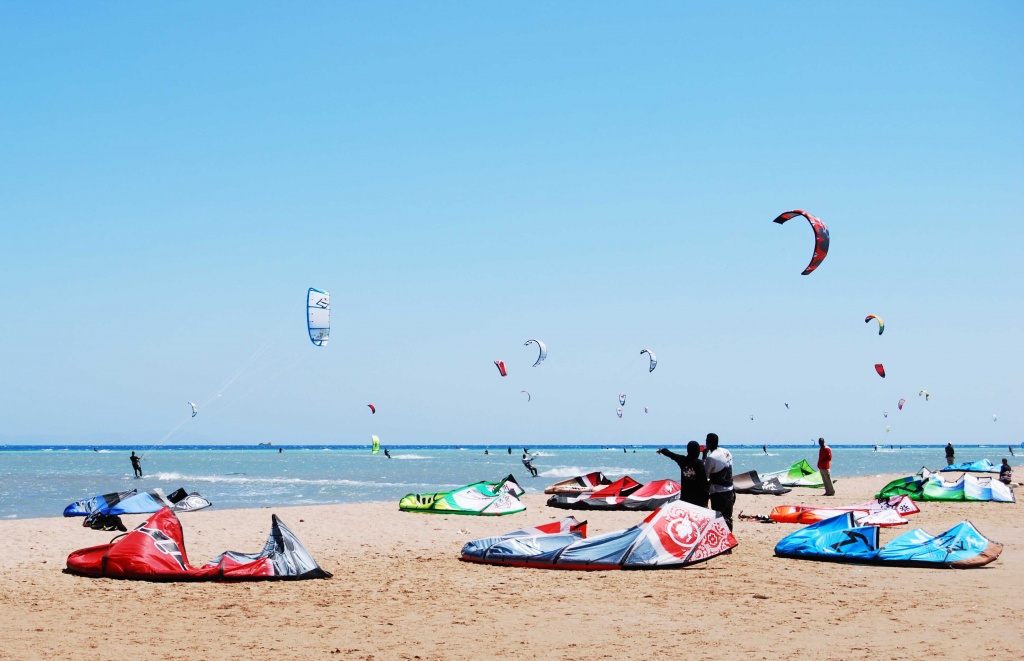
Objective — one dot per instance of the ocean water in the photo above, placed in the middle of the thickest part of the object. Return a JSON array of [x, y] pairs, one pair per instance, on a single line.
[[40, 481]]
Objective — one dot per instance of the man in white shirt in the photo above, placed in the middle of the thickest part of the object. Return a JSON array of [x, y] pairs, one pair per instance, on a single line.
[[718, 465]]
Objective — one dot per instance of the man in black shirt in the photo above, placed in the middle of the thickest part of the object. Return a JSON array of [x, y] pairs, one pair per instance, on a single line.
[[950, 454], [693, 481]]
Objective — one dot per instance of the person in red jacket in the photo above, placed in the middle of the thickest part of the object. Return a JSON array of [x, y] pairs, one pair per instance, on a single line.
[[825, 465]]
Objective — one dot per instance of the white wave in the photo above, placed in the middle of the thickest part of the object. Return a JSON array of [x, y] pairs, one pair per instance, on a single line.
[[543, 454], [573, 471], [11, 516], [103, 451], [48, 450], [238, 479], [409, 456]]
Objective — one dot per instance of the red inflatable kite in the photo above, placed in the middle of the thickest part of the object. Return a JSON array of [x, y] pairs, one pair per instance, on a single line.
[[880, 370], [500, 364]]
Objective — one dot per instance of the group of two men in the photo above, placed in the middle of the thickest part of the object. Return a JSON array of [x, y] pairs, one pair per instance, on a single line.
[[711, 477]]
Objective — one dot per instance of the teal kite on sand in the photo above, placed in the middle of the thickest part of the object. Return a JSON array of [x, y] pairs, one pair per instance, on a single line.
[[929, 486], [479, 499]]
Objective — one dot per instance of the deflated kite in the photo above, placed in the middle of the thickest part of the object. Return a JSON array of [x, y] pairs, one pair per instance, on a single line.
[[820, 237]]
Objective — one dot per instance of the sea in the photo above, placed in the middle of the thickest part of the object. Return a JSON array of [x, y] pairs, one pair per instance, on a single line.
[[40, 480]]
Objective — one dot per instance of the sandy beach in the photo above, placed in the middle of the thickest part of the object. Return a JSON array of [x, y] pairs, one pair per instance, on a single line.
[[400, 592]]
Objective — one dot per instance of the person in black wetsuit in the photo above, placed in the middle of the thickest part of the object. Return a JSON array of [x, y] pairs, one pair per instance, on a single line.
[[136, 464], [693, 481], [950, 454], [386, 453]]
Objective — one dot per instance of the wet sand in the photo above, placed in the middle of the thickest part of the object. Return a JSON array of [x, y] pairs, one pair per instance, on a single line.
[[400, 592]]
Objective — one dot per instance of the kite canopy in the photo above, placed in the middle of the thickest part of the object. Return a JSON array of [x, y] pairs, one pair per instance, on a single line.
[[982, 466], [901, 403], [882, 512], [194, 409], [820, 237], [800, 474], [500, 364], [881, 324], [927, 395], [543, 350], [523, 392], [580, 484], [676, 535], [622, 399], [132, 502], [623, 494], [373, 409], [374, 444], [750, 483], [880, 370], [618, 411], [929, 486], [840, 539], [479, 498], [318, 316], [155, 551], [654, 359]]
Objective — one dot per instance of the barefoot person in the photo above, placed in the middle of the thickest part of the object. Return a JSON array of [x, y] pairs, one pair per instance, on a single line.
[[718, 466], [136, 464], [825, 466]]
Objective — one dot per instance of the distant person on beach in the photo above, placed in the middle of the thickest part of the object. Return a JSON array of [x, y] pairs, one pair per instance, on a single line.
[[136, 464], [386, 453], [1005, 472], [693, 481], [825, 466], [528, 462], [718, 466], [950, 455]]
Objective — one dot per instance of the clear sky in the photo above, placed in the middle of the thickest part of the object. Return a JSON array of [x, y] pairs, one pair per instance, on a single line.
[[463, 177]]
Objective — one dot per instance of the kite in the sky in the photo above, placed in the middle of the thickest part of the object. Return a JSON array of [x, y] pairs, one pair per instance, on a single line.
[[994, 417], [654, 359], [373, 409], [618, 412], [751, 417], [528, 398], [543, 350], [887, 428], [500, 364], [925, 393], [881, 324], [820, 237], [880, 370], [374, 445], [885, 414], [902, 402], [318, 316], [622, 399], [194, 409], [787, 404], [646, 409]]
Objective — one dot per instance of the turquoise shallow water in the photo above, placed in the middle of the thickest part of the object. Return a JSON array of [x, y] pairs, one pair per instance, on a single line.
[[40, 481]]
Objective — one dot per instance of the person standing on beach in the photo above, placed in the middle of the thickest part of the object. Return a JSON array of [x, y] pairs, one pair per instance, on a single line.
[[136, 464], [825, 466], [718, 466], [693, 481], [950, 454]]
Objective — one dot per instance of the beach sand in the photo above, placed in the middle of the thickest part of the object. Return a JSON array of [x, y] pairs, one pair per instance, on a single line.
[[400, 592]]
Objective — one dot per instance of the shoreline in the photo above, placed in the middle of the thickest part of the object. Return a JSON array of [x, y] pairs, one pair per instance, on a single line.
[[400, 591]]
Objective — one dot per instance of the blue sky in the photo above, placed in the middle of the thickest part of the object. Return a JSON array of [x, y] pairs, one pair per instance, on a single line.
[[464, 177]]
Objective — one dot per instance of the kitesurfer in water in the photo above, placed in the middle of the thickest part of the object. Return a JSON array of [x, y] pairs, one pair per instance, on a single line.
[[1010, 448], [693, 481], [510, 450], [825, 466], [718, 466], [1005, 472], [950, 454], [765, 448], [386, 453], [528, 462], [486, 452], [136, 464]]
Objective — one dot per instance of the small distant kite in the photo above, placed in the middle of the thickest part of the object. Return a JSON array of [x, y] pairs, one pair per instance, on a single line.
[[902, 402], [622, 399], [618, 412], [654, 359], [881, 324], [820, 237], [751, 417], [373, 409], [194, 409], [528, 398], [646, 409], [994, 418], [880, 370], [885, 414], [887, 428], [927, 395], [500, 364], [787, 404], [543, 350]]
